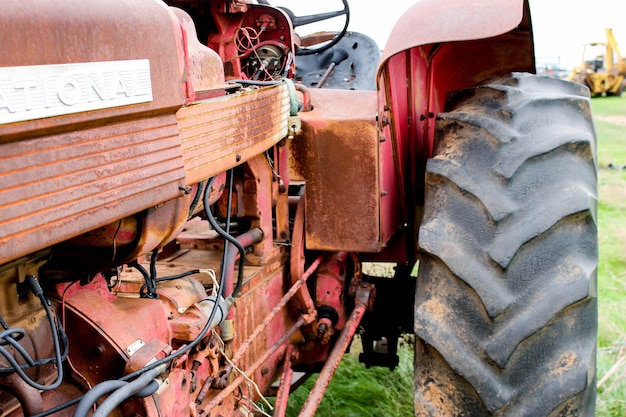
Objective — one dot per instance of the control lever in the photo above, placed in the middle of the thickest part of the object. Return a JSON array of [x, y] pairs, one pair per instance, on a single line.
[[339, 55]]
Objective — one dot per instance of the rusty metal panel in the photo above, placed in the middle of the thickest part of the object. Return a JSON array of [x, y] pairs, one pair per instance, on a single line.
[[428, 22], [59, 186], [338, 157], [220, 133], [73, 32]]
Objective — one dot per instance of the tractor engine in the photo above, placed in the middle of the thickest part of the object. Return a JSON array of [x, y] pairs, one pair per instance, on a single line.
[[104, 332]]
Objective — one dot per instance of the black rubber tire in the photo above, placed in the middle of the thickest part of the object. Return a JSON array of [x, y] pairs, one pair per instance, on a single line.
[[505, 306]]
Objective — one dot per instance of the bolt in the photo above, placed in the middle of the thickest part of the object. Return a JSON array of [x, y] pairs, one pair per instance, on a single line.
[[98, 350], [321, 330], [237, 158]]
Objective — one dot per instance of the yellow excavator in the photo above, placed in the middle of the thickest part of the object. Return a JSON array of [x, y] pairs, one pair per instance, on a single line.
[[604, 73]]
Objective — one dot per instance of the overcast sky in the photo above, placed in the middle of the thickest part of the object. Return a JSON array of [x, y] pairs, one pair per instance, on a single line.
[[561, 27]]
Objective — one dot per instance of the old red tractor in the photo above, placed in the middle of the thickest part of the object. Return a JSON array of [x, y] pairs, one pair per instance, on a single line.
[[195, 202]]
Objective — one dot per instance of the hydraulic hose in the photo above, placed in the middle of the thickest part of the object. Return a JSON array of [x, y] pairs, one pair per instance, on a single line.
[[106, 387], [89, 399], [128, 390]]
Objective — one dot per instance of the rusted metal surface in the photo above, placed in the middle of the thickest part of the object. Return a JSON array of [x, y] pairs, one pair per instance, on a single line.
[[98, 336], [104, 174], [89, 31], [243, 348], [204, 66], [337, 155], [297, 259], [221, 133], [362, 303], [260, 199], [428, 22], [284, 388], [30, 399]]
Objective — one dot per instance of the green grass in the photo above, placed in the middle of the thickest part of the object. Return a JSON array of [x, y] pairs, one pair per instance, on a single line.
[[610, 121], [359, 392], [356, 391]]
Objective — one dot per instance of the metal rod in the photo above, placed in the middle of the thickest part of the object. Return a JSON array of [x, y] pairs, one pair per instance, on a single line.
[[321, 385], [282, 396]]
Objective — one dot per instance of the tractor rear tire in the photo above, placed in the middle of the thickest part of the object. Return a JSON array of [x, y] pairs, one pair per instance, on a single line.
[[505, 306]]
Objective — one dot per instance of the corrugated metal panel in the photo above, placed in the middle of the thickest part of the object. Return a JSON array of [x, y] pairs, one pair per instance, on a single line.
[[87, 31], [220, 133], [56, 187]]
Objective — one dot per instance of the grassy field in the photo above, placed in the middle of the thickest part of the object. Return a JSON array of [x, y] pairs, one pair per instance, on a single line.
[[359, 392], [610, 121]]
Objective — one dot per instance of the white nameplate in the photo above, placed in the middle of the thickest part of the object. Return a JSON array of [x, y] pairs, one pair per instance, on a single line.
[[39, 91]]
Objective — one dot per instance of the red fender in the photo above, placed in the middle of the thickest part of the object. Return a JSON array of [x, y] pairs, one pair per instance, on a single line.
[[427, 22], [433, 50]]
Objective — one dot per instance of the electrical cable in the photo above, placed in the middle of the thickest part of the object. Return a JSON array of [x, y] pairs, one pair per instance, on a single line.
[[8, 338], [196, 199], [42, 361], [36, 289], [229, 207], [172, 277], [229, 238], [89, 399], [151, 283], [127, 391], [148, 289]]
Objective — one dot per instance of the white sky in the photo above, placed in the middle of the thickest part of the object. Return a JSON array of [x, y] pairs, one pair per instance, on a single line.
[[561, 27]]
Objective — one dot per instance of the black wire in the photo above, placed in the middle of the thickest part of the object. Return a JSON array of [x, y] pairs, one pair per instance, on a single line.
[[3, 323], [37, 362], [135, 264], [42, 361], [231, 239], [36, 289], [149, 277], [8, 338], [151, 283], [196, 199], [229, 207], [173, 277]]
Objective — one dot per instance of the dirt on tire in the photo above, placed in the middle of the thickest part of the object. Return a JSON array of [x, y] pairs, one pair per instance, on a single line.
[[505, 311]]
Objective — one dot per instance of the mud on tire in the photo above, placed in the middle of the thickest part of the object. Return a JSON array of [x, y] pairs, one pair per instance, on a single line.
[[505, 313]]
